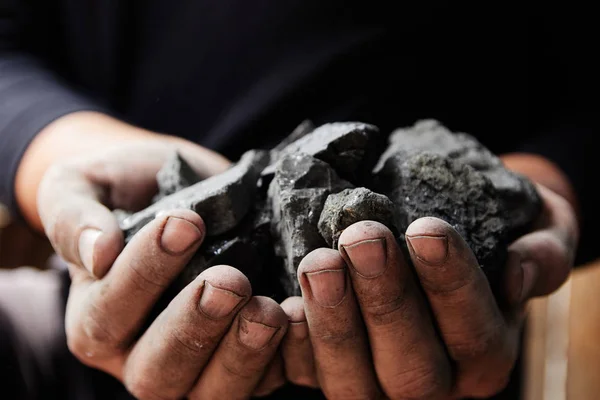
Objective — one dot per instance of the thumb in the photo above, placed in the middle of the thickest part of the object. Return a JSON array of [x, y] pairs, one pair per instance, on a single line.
[[81, 229]]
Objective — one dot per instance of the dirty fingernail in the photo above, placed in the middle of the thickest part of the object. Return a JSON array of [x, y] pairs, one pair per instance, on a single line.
[[255, 335], [179, 235], [87, 247], [298, 330], [328, 287], [368, 258], [218, 303], [429, 249]]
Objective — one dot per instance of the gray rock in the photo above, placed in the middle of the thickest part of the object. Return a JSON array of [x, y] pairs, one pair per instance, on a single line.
[[353, 205], [175, 175], [521, 200], [350, 148], [428, 184], [296, 197], [221, 200], [431, 136]]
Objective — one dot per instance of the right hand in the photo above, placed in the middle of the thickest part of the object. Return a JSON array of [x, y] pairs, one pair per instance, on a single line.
[[214, 340]]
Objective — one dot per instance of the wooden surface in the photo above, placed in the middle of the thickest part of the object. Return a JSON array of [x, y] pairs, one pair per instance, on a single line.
[[562, 348]]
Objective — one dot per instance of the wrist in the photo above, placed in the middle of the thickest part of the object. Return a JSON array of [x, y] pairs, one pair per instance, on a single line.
[[67, 137]]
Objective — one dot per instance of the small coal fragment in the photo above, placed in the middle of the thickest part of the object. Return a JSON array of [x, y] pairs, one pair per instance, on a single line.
[[175, 175], [432, 185], [353, 205], [296, 197], [350, 148], [221, 200]]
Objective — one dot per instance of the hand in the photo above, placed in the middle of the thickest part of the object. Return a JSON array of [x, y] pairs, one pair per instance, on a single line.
[[214, 340], [379, 328]]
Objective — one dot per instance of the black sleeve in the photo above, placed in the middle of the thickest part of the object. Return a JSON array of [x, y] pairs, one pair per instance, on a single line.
[[31, 96]]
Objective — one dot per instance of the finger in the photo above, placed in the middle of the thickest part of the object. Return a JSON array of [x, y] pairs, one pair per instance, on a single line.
[[409, 359], [273, 379], [547, 254], [296, 348], [241, 359], [104, 316], [343, 363], [169, 357], [475, 333], [82, 230]]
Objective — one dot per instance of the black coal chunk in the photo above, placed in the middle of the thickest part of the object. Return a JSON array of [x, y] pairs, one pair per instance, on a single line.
[[221, 200], [353, 205], [296, 197], [520, 200], [272, 208], [430, 185], [350, 148], [175, 175]]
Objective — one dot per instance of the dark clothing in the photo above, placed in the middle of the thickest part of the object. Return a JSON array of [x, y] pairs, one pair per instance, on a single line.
[[233, 75]]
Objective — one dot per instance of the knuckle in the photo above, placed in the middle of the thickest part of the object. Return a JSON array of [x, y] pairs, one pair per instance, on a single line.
[[428, 382], [335, 338], [183, 341], [476, 344], [241, 371], [90, 339], [149, 277], [383, 310], [141, 389]]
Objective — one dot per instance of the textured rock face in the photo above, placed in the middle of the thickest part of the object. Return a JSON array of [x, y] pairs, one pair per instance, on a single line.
[[427, 184], [222, 200], [348, 147], [296, 197], [272, 208], [174, 176], [353, 205]]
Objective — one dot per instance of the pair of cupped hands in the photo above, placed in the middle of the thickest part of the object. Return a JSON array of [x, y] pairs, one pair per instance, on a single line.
[[370, 324]]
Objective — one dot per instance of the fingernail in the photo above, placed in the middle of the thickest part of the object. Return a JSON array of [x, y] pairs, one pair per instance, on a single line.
[[429, 249], [179, 235], [328, 287], [255, 335], [368, 258], [529, 273], [298, 330], [217, 303], [87, 247]]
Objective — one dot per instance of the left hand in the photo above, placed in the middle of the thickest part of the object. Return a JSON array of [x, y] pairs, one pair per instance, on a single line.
[[370, 326]]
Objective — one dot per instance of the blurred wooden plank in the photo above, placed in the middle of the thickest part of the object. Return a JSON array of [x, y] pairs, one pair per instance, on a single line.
[[546, 347], [562, 350], [584, 350], [534, 349], [557, 343]]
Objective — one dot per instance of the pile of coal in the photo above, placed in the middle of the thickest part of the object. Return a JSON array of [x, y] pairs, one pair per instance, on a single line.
[[270, 209]]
